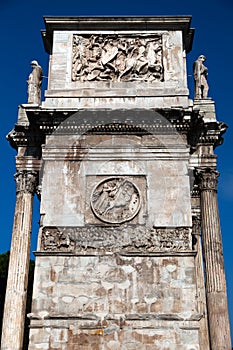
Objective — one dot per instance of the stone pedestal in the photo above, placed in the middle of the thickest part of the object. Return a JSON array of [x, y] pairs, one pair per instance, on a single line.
[[214, 267], [16, 292]]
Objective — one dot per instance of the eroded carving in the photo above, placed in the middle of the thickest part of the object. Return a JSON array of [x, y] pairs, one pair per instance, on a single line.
[[121, 58], [26, 181], [200, 78], [34, 83], [55, 239], [127, 238], [177, 239], [208, 179], [115, 200], [196, 228]]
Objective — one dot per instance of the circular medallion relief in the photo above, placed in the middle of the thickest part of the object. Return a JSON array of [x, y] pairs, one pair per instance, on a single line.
[[115, 200]]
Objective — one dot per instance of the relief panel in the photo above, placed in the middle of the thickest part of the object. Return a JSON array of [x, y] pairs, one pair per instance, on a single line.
[[124, 238], [115, 199], [121, 58]]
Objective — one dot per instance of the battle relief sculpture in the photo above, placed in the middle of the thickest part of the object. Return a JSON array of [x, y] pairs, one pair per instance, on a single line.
[[115, 200], [126, 238], [121, 58]]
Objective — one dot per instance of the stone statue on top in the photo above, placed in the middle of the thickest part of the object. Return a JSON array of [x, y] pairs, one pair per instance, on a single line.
[[200, 78], [34, 83]]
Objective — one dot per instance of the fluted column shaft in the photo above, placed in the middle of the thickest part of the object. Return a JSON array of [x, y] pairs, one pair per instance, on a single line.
[[218, 318], [16, 292], [201, 294]]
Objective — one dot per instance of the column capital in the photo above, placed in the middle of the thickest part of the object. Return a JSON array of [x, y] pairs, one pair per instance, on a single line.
[[26, 181], [207, 179]]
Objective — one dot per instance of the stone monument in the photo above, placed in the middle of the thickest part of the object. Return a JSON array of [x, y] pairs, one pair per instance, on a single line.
[[123, 162]]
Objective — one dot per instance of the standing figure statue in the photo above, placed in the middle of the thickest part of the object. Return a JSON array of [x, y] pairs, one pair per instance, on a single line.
[[34, 83], [200, 78]]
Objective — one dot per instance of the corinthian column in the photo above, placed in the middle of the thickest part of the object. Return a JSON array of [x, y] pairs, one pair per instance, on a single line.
[[16, 292], [218, 319]]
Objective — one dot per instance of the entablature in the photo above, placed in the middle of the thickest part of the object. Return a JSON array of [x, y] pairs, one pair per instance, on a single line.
[[30, 132]]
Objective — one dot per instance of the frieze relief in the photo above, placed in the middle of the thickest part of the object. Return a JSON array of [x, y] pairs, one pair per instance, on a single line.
[[125, 238], [117, 58]]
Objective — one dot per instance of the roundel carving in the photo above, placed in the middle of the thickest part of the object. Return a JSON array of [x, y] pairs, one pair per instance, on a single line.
[[115, 200]]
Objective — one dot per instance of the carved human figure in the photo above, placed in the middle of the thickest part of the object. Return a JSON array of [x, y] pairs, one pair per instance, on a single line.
[[130, 61], [109, 53], [34, 83], [200, 78], [115, 200], [107, 192]]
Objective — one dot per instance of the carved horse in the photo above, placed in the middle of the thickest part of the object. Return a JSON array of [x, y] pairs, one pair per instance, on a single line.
[[119, 199]]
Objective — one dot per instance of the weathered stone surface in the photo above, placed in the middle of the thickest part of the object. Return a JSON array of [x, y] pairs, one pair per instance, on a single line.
[[34, 83], [124, 285], [123, 57], [200, 78], [119, 262], [215, 275], [16, 292], [123, 289], [105, 68], [149, 162], [127, 238], [115, 336]]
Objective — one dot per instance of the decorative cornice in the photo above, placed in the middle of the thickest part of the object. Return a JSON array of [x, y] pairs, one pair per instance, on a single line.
[[104, 121], [213, 132], [26, 181], [42, 121], [17, 137], [118, 24], [27, 136], [205, 133]]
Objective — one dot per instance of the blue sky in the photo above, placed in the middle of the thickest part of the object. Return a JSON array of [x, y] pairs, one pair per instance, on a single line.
[[21, 22]]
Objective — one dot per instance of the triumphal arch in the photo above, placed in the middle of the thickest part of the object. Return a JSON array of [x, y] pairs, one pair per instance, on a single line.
[[129, 252]]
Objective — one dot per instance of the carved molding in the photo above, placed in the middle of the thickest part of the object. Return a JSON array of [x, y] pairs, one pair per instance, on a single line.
[[127, 238], [208, 179], [117, 58], [26, 181]]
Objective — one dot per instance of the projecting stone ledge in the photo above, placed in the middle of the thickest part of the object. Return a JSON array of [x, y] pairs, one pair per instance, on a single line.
[[206, 108]]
